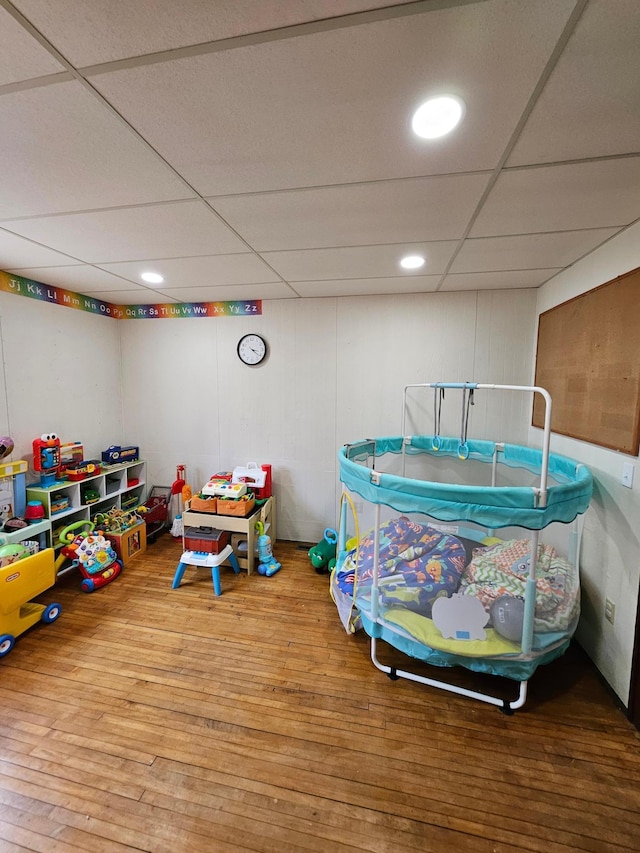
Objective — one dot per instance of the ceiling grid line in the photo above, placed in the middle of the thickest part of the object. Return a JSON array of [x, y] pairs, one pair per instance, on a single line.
[[248, 151], [105, 103], [541, 83]]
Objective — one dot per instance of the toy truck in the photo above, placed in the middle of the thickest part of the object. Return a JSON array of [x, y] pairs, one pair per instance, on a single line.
[[115, 454]]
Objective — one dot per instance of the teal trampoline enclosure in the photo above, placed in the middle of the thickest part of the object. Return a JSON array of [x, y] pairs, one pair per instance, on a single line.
[[473, 556], [493, 507]]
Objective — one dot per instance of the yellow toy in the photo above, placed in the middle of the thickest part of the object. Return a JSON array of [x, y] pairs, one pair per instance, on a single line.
[[19, 583]]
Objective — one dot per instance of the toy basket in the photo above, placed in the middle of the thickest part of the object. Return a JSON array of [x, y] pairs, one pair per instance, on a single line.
[[198, 504], [240, 508]]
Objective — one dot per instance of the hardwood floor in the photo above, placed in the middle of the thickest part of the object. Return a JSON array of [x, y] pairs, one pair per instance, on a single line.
[[154, 719]]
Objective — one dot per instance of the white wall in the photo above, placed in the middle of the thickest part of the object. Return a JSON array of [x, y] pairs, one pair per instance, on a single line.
[[610, 562], [61, 373], [335, 373]]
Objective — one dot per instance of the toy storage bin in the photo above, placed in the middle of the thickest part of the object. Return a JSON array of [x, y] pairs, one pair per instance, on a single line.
[[239, 508], [130, 501], [207, 539], [112, 485], [198, 504]]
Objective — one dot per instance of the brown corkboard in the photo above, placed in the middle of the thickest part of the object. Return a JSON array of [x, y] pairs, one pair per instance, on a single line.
[[588, 359]]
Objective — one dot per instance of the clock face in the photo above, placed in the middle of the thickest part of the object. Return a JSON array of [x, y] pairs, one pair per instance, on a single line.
[[252, 349]]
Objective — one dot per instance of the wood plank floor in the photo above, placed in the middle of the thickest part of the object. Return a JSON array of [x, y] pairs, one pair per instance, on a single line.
[[155, 719]]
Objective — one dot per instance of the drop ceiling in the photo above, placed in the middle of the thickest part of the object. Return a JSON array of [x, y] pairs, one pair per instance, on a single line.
[[259, 149]]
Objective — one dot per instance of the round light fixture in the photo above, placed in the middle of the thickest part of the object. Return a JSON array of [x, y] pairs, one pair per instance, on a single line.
[[412, 262], [152, 277], [438, 116]]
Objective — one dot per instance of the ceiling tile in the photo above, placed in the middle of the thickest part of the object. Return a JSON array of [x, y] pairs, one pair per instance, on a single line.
[[17, 252], [134, 233], [244, 120], [88, 33], [216, 270], [368, 286], [413, 210], [528, 251], [67, 152], [135, 296], [21, 57], [596, 194], [299, 140], [229, 293], [359, 261], [591, 104], [497, 280], [79, 278]]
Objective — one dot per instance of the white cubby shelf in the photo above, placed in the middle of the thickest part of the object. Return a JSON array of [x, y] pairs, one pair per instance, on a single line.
[[121, 486]]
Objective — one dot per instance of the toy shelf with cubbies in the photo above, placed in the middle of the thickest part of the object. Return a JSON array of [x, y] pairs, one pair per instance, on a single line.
[[120, 486]]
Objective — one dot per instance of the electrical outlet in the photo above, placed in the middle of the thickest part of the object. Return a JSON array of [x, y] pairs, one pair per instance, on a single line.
[[627, 475], [609, 610]]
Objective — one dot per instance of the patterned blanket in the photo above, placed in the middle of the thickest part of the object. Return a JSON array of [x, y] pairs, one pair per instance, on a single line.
[[502, 570], [417, 564]]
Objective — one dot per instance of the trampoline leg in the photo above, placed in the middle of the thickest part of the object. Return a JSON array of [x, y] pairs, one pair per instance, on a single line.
[[522, 697], [394, 673]]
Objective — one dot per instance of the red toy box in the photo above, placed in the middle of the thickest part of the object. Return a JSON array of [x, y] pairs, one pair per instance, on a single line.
[[207, 539]]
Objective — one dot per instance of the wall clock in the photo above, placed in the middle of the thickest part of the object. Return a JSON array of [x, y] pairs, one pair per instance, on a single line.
[[252, 349]]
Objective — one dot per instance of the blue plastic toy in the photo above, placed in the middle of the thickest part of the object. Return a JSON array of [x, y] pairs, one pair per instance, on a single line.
[[268, 565]]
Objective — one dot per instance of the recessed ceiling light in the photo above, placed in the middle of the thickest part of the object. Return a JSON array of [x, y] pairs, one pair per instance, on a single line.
[[438, 116], [152, 277], [412, 262]]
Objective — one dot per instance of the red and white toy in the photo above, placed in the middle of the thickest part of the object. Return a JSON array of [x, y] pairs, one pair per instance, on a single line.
[[46, 458]]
